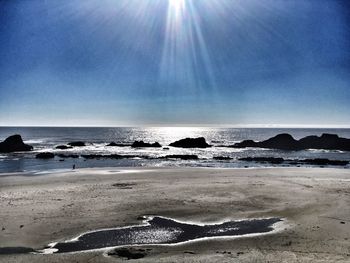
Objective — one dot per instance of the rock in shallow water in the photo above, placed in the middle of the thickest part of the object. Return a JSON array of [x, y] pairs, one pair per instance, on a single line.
[[191, 143], [77, 144], [141, 144], [63, 147]]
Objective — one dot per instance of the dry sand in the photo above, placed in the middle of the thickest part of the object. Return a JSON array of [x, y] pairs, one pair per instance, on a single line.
[[37, 210]]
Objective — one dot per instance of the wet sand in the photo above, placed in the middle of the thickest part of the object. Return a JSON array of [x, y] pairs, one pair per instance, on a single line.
[[315, 203]]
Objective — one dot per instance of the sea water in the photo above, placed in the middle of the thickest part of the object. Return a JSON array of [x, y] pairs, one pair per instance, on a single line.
[[44, 139]]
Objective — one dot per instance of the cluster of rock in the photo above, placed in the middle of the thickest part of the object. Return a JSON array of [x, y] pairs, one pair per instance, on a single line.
[[285, 141], [184, 143], [141, 144], [281, 141], [48, 155]]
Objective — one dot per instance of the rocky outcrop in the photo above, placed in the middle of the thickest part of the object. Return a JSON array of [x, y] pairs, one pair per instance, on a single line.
[[191, 143], [113, 144], [45, 155], [325, 141], [14, 143], [63, 147], [141, 144], [287, 142], [77, 144]]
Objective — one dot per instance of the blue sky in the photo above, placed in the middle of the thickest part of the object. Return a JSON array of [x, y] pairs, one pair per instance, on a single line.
[[174, 62]]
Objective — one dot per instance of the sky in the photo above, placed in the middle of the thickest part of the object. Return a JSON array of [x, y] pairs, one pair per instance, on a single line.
[[174, 62]]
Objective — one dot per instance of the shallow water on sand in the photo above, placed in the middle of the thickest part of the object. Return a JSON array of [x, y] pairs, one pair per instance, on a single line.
[[160, 230]]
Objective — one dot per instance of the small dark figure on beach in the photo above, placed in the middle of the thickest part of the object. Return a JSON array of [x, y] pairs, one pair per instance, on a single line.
[[73, 166]]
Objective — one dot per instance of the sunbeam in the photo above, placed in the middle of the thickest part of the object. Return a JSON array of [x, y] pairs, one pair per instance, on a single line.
[[224, 57]]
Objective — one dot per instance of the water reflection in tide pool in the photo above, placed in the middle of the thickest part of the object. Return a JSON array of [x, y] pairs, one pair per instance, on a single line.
[[160, 230]]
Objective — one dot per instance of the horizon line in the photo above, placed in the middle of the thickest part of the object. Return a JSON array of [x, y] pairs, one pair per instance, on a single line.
[[238, 126]]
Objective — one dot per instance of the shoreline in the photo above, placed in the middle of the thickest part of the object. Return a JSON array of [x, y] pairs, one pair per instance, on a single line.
[[59, 206]]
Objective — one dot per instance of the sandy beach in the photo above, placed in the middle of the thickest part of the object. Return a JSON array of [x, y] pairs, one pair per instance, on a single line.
[[314, 203]]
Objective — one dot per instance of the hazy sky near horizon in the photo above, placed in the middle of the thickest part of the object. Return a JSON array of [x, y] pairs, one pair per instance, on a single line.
[[169, 62]]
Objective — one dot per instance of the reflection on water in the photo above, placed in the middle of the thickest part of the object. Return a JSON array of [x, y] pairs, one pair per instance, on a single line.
[[160, 230]]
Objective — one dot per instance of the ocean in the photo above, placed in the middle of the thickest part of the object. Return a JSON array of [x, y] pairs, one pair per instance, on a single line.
[[44, 139]]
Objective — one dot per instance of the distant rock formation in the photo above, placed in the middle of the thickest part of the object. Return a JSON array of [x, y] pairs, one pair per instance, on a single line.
[[77, 144], [45, 155], [287, 142], [113, 144], [191, 143], [141, 144], [14, 143], [63, 147]]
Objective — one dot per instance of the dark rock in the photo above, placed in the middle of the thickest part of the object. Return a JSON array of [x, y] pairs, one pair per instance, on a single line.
[[282, 141], [245, 144], [191, 143], [319, 161], [222, 158], [166, 148], [77, 144], [287, 142], [68, 155], [113, 144], [45, 155], [63, 147], [14, 143], [141, 144], [180, 156], [272, 160]]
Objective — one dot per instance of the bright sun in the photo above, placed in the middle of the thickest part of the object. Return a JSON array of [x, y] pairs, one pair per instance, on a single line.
[[176, 5]]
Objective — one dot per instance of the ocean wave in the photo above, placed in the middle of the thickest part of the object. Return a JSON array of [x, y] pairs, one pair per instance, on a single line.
[[37, 141]]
